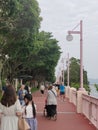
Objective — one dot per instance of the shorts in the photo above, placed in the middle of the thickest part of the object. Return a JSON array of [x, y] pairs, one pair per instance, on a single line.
[[62, 93]]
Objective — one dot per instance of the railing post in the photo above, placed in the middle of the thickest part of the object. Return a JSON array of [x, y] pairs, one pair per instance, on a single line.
[[79, 100]]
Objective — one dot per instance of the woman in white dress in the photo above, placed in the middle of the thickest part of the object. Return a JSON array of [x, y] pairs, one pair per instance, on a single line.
[[10, 109]]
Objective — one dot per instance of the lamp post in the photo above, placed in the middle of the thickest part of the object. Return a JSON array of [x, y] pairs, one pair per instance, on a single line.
[[63, 70], [67, 64], [60, 76], [70, 38]]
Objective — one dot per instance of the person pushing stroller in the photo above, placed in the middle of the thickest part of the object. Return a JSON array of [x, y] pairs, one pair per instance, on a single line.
[[51, 103]]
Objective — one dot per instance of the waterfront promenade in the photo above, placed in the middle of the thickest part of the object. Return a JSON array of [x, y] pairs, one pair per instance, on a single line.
[[67, 117]]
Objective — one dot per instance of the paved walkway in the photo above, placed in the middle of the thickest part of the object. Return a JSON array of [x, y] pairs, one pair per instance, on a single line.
[[67, 118]]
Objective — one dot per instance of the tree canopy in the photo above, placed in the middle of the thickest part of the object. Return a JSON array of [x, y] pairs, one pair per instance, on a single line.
[[28, 50], [74, 74]]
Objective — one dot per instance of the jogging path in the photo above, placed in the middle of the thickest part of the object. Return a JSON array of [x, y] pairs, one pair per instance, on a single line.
[[67, 117]]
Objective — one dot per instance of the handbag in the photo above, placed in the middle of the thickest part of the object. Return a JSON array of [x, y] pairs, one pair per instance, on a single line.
[[22, 124]]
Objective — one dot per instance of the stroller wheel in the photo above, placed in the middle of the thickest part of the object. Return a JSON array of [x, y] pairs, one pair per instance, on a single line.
[[44, 113], [55, 117]]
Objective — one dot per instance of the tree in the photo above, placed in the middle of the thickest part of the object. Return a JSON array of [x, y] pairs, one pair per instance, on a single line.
[[45, 57], [96, 86], [8, 11], [29, 51], [74, 72], [18, 40]]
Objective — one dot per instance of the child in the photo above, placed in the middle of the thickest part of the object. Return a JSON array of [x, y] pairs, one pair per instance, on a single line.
[[30, 112]]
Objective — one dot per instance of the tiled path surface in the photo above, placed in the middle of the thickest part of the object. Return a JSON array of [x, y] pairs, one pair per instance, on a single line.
[[67, 118]]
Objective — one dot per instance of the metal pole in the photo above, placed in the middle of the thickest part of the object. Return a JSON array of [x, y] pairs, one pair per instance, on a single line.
[[63, 71], [81, 51], [81, 56], [68, 70]]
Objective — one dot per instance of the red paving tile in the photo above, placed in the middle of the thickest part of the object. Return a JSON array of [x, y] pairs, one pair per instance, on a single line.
[[67, 118]]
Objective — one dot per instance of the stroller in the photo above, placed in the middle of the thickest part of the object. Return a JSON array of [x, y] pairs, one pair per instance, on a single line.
[[45, 109]]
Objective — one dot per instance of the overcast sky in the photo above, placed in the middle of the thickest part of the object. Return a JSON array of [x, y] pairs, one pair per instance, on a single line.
[[60, 16]]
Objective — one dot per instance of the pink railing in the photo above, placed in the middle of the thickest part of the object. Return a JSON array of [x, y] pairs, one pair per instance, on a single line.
[[90, 108], [74, 97], [89, 105]]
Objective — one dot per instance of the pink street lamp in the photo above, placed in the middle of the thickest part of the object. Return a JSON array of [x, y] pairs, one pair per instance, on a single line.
[[67, 65], [62, 70], [70, 38]]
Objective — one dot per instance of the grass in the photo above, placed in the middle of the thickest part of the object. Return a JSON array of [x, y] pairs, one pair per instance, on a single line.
[[34, 89]]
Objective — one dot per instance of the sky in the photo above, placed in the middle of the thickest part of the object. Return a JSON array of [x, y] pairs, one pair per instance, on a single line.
[[60, 16]]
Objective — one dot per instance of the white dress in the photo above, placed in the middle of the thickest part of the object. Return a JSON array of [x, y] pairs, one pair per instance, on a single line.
[[9, 120]]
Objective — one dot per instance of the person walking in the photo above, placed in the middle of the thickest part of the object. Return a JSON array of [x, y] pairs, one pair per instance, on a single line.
[[21, 93], [28, 89], [10, 109], [62, 92], [30, 112], [5, 84], [42, 88], [51, 103]]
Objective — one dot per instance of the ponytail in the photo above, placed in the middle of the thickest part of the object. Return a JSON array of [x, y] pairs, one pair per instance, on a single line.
[[34, 111]]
